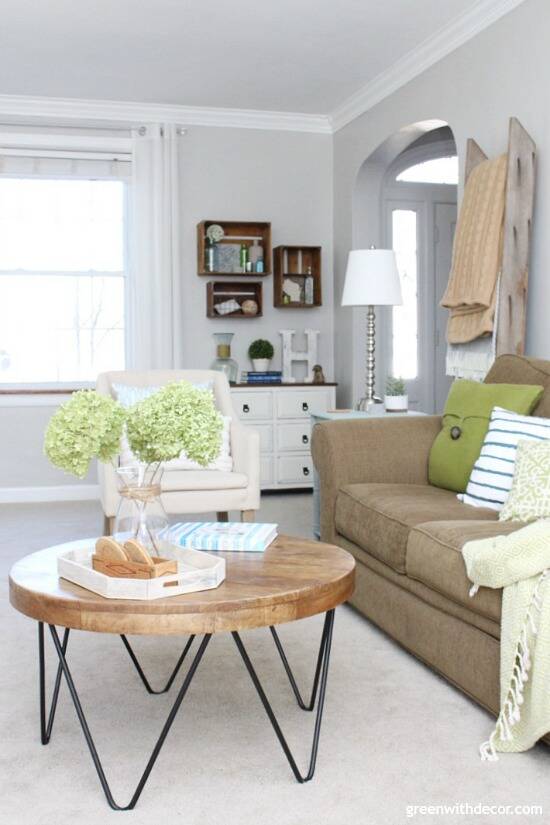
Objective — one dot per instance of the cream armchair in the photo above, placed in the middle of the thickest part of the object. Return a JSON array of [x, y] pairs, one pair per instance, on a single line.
[[194, 491]]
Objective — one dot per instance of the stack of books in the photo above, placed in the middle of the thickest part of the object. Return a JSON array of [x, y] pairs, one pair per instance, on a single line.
[[226, 536], [268, 377]]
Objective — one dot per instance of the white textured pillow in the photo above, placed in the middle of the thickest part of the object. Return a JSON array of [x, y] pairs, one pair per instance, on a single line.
[[128, 395], [223, 460], [492, 474]]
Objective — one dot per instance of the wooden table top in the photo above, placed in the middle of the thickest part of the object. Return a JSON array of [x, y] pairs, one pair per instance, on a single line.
[[293, 579]]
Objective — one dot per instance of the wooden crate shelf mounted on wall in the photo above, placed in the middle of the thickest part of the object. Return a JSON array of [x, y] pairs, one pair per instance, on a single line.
[[293, 265], [236, 233], [218, 292]]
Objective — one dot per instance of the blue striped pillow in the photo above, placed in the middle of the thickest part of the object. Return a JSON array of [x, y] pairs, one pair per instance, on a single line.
[[492, 474]]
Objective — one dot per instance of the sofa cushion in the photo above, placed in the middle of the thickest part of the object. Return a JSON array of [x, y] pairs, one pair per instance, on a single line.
[[434, 557], [465, 423], [379, 517]]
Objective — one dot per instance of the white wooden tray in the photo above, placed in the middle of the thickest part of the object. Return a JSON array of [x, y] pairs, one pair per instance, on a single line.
[[197, 570]]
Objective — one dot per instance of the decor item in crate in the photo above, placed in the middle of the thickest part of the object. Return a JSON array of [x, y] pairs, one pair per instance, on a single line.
[[228, 256], [215, 233], [223, 361], [129, 561], [178, 417], [396, 398], [249, 307], [260, 353], [227, 307]]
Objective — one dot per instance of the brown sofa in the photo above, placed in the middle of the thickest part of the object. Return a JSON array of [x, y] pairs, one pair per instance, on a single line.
[[406, 537]]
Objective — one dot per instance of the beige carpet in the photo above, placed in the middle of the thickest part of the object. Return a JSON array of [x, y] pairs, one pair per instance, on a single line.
[[394, 734]]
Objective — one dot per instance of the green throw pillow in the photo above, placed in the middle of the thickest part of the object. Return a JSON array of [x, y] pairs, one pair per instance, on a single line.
[[465, 422], [529, 497]]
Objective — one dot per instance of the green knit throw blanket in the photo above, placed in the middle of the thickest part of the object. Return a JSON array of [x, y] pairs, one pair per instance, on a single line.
[[519, 563]]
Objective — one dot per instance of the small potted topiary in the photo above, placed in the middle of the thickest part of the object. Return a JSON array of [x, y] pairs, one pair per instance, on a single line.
[[260, 353], [396, 398]]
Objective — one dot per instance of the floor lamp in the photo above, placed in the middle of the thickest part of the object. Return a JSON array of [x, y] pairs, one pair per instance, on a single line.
[[372, 280]]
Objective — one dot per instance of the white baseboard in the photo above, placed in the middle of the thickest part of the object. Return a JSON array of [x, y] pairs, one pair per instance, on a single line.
[[62, 492]]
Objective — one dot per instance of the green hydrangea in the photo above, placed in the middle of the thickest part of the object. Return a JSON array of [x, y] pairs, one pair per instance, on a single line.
[[179, 417], [88, 426]]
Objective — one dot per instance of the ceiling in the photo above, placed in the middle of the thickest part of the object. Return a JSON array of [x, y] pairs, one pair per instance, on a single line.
[[305, 56]]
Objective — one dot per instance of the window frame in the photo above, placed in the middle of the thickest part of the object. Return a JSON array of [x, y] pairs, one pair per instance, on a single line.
[[59, 388], [417, 155]]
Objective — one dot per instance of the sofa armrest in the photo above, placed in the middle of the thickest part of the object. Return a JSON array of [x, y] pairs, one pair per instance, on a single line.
[[385, 450], [245, 449]]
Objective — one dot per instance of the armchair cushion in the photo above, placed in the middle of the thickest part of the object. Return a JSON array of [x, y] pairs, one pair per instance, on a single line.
[[379, 517], [180, 480]]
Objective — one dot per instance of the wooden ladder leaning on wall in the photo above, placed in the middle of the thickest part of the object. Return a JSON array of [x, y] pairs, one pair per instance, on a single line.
[[518, 214]]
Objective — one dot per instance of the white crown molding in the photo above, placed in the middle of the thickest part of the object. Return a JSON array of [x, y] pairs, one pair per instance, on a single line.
[[61, 492], [107, 112], [433, 49]]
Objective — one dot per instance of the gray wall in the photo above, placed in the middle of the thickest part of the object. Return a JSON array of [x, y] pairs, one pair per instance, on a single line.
[[232, 174], [500, 73], [281, 177]]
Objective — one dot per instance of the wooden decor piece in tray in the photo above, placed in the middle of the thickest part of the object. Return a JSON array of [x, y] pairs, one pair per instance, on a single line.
[[518, 213], [133, 569], [130, 560], [237, 233]]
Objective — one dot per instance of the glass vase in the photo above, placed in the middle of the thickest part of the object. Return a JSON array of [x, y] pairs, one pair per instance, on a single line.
[[223, 362], [140, 513]]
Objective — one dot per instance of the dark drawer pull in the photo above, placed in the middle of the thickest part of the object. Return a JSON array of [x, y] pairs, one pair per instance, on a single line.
[[305, 439], [246, 408], [305, 471], [305, 406]]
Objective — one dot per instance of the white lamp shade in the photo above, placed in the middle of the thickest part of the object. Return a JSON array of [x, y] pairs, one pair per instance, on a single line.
[[372, 278]]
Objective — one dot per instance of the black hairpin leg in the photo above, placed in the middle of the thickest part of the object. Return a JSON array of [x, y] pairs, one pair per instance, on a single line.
[[142, 675], [324, 655], [46, 727], [88, 736], [311, 704]]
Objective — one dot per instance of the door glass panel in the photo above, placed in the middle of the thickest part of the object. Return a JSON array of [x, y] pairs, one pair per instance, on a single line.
[[405, 317]]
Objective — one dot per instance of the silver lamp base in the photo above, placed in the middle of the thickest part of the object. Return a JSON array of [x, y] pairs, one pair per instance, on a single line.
[[367, 404], [370, 399]]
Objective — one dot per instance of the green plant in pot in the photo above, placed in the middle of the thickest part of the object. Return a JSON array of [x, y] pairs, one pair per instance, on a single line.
[[260, 353], [396, 398]]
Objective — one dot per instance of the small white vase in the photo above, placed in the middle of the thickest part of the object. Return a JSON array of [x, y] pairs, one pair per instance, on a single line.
[[261, 364], [396, 403]]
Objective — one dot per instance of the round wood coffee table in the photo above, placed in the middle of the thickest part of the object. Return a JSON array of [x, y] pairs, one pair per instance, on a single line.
[[293, 579]]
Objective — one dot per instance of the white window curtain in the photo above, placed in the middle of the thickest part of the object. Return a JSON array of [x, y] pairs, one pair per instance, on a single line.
[[155, 251]]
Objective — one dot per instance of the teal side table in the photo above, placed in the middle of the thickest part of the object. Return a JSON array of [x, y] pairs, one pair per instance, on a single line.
[[342, 415]]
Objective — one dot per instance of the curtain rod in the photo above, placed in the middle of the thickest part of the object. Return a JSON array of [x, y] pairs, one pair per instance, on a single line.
[[181, 130]]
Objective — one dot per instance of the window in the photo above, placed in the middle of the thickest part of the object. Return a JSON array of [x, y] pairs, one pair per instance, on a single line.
[[437, 170], [62, 279], [405, 317]]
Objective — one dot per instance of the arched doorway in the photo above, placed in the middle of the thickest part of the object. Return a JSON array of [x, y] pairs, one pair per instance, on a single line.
[[408, 198]]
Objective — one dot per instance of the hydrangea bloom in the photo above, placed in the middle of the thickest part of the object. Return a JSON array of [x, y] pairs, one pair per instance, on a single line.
[[88, 426], [178, 417]]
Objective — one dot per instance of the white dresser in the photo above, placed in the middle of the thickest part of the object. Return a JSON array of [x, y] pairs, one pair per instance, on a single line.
[[282, 416]]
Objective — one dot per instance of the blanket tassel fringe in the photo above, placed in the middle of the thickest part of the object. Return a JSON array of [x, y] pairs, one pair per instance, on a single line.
[[510, 712]]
